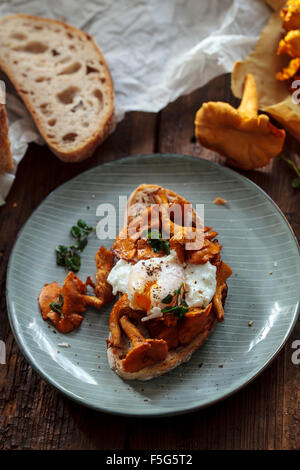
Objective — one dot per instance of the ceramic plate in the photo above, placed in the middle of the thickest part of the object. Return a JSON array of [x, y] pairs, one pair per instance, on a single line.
[[257, 242]]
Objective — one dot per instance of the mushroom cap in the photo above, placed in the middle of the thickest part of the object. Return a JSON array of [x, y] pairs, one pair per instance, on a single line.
[[247, 142], [144, 354], [73, 291], [63, 323], [48, 294], [104, 261]]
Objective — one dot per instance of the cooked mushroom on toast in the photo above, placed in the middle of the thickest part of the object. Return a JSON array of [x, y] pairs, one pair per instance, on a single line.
[[169, 279], [171, 284]]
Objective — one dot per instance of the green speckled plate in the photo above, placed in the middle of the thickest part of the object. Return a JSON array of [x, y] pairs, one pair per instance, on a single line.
[[257, 243]]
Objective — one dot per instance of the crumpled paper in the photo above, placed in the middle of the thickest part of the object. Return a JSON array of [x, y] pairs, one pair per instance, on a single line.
[[156, 50], [274, 96]]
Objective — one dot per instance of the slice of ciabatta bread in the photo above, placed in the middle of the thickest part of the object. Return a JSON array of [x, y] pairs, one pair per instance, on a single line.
[[6, 160], [63, 79]]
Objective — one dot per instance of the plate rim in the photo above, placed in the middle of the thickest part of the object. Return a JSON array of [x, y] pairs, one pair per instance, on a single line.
[[147, 413]]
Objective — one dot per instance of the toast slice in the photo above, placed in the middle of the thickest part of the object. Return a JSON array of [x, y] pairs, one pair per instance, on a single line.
[[6, 160], [64, 81], [174, 358], [141, 198]]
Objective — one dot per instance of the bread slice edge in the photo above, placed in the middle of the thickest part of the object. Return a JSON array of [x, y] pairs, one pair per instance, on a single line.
[[87, 148], [6, 159]]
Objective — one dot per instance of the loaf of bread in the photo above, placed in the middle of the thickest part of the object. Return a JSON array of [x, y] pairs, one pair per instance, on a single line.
[[6, 161], [63, 79]]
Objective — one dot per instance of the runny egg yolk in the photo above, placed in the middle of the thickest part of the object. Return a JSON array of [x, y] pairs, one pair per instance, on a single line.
[[151, 280], [142, 300]]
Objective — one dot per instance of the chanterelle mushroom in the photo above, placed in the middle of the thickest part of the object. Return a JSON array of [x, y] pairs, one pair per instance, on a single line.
[[64, 305], [246, 139], [290, 44], [290, 71]]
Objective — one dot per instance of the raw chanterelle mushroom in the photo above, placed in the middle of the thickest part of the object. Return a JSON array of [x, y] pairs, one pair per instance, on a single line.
[[290, 44], [246, 139]]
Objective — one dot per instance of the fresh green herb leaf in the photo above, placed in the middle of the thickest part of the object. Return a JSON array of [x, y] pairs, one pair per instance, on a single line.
[[181, 306], [81, 244], [156, 248], [61, 252], [68, 256], [60, 300], [61, 249], [165, 246], [75, 232], [57, 307], [81, 223], [158, 243], [178, 310], [73, 262], [169, 309]]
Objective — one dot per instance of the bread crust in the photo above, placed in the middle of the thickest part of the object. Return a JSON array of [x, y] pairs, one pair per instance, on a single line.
[[138, 200], [87, 148], [142, 197]]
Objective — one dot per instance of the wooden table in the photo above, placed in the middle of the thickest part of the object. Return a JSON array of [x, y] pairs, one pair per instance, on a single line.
[[33, 415]]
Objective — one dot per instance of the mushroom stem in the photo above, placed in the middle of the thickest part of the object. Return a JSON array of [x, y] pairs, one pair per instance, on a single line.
[[131, 331], [144, 352], [93, 301], [249, 104]]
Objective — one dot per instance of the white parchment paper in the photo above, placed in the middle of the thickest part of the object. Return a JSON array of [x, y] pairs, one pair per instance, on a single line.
[[157, 50]]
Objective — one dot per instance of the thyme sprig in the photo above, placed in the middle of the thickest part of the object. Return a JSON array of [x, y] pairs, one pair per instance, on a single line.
[[57, 307], [157, 242], [68, 256], [179, 306]]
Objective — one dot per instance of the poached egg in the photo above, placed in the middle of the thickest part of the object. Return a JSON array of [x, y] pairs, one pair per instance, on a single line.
[[148, 282]]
